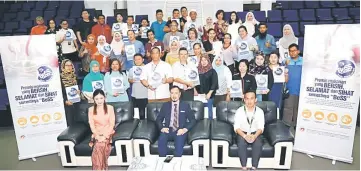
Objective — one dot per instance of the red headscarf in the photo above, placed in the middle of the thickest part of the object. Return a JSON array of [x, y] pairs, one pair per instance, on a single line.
[[203, 69], [92, 48]]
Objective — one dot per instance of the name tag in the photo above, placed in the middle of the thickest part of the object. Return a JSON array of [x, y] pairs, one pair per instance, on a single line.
[[182, 111]]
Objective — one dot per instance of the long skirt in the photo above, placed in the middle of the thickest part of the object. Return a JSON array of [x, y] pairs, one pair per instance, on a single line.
[[100, 154]]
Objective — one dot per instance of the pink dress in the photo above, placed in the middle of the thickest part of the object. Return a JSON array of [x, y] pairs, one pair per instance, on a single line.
[[102, 126]]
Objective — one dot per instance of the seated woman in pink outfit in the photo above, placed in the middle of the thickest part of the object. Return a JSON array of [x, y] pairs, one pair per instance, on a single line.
[[101, 121]]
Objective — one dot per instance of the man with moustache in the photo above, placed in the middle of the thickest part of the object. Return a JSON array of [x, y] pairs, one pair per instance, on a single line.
[[266, 42]]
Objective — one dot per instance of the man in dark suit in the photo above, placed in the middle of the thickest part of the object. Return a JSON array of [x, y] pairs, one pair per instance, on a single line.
[[172, 121]]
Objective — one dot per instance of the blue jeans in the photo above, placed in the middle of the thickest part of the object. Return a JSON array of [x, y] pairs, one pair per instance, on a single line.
[[259, 97], [210, 108]]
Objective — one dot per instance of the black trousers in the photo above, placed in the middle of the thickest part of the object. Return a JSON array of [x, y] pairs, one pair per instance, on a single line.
[[256, 150], [141, 104]]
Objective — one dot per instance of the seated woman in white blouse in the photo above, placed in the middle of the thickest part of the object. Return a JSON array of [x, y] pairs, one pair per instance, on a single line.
[[249, 125]]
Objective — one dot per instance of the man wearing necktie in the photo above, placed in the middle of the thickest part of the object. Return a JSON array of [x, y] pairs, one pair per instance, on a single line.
[[174, 120]]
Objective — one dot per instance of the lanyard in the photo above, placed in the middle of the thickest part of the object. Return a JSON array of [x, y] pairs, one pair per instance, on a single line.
[[250, 122]]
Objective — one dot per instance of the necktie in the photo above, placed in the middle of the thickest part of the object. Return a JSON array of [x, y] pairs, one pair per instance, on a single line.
[[175, 118]]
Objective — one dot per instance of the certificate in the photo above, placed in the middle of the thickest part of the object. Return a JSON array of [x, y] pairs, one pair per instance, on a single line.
[[135, 28], [106, 50], [192, 75], [279, 74], [200, 97], [155, 79], [137, 71], [117, 84], [217, 47], [173, 39], [185, 44], [72, 93], [193, 60], [144, 32], [98, 85], [68, 36], [243, 51], [117, 27], [129, 51], [262, 83], [236, 88], [178, 21]]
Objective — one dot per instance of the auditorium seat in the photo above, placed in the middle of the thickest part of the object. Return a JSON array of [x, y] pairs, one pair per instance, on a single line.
[[312, 4], [53, 5], [345, 22], [242, 15], [138, 18], [91, 12], [49, 15], [327, 4], [227, 16], [15, 7], [297, 4], [9, 16], [10, 27], [2, 25], [77, 5], [307, 14], [356, 3], [40, 5], [301, 44], [28, 6], [62, 13], [344, 4], [65, 5], [75, 13], [111, 20], [71, 23], [285, 4], [302, 26], [274, 16], [275, 29], [260, 15], [324, 14], [22, 15], [325, 22], [290, 15], [354, 13], [25, 26], [340, 14], [295, 27], [34, 14]]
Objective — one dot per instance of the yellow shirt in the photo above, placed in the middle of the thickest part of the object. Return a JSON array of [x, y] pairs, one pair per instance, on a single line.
[[172, 59]]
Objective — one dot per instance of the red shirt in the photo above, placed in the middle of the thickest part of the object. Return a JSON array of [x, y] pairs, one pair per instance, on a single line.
[[104, 30], [38, 30]]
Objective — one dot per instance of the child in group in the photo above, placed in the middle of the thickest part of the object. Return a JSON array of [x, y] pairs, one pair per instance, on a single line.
[[173, 56], [139, 93]]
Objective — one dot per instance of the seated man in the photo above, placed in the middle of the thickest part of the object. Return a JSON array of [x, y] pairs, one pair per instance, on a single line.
[[172, 120], [248, 125]]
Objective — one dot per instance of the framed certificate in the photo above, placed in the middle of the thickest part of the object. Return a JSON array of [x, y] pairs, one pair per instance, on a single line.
[[68, 36], [279, 74], [137, 71], [72, 93], [117, 27], [117, 84], [144, 32], [192, 75], [129, 51], [135, 28], [217, 47], [243, 51], [98, 85], [236, 88], [185, 44], [262, 83], [106, 50], [155, 79]]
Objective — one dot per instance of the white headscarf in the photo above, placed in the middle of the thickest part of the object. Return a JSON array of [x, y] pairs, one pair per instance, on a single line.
[[287, 40], [117, 46], [99, 46], [250, 25]]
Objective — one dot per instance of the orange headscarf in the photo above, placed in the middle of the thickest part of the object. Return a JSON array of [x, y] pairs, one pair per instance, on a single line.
[[92, 48]]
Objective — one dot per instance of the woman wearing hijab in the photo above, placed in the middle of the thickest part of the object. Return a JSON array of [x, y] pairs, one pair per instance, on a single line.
[[117, 45], [94, 75], [234, 24], [88, 52], [114, 94], [206, 27], [248, 81], [287, 39], [224, 80], [105, 50], [208, 83], [277, 88], [173, 56], [68, 79], [251, 24], [258, 67]]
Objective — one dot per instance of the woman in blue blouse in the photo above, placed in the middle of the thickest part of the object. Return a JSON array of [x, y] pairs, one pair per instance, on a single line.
[[116, 83], [94, 75]]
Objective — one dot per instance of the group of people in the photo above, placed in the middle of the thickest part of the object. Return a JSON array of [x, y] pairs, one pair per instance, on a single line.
[[192, 60]]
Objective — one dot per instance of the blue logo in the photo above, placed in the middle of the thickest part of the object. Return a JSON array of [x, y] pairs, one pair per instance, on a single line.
[[243, 46], [345, 68], [193, 75], [117, 27], [138, 71], [192, 26], [67, 34], [73, 92], [236, 86], [44, 73], [107, 48], [279, 71], [98, 85], [185, 44], [117, 83]]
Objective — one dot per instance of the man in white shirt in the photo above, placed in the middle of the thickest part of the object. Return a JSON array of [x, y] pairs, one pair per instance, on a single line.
[[249, 125], [193, 23], [156, 76], [181, 79], [66, 37]]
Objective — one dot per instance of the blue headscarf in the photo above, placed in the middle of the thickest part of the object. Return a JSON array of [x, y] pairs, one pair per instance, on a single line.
[[92, 76], [219, 69]]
